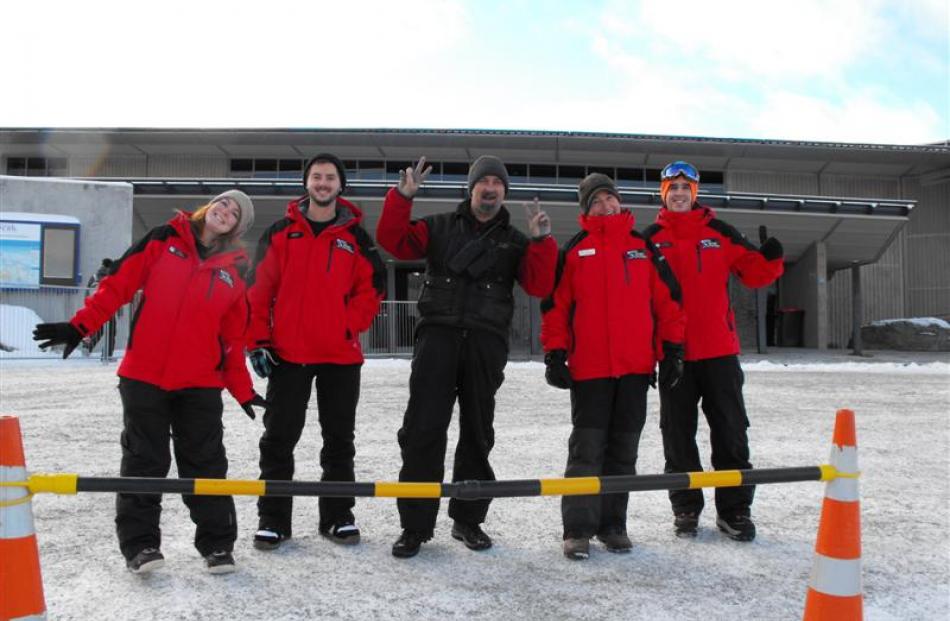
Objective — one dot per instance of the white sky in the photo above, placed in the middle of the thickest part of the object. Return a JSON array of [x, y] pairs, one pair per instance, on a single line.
[[848, 70]]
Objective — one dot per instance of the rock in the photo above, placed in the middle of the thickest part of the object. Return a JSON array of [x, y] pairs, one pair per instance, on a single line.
[[916, 334]]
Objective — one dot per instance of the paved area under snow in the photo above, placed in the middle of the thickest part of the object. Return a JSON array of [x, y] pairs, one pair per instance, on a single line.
[[71, 418]]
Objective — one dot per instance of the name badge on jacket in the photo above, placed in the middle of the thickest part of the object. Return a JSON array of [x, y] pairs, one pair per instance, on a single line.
[[587, 252]]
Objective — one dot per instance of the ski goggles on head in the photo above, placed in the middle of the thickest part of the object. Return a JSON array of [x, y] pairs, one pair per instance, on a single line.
[[675, 169]]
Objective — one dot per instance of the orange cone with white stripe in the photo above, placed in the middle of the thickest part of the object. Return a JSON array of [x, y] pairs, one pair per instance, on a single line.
[[21, 587], [834, 590]]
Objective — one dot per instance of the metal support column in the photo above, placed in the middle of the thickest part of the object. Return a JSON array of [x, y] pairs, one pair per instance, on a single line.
[[857, 310]]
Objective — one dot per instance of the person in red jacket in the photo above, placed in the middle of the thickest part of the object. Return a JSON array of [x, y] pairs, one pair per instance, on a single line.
[[473, 257], [704, 252], [317, 284], [614, 312], [185, 345]]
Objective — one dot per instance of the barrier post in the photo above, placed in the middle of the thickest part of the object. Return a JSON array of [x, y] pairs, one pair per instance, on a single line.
[[834, 589], [21, 585]]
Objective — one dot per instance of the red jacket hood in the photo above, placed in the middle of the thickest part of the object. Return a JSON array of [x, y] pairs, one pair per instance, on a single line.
[[348, 214], [620, 222], [181, 222], [696, 217]]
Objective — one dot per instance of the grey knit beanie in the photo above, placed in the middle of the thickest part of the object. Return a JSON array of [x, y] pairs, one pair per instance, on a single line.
[[484, 166], [247, 209], [593, 183]]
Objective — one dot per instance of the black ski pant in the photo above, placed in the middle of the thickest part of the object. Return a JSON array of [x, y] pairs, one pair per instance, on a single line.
[[450, 363], [288, 393], [718, 383], [191, 419], [608, 415]]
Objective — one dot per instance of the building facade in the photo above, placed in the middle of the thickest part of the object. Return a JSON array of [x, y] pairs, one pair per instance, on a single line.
[[875, 217]]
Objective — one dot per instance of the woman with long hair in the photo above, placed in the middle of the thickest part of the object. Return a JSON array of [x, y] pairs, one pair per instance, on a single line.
[[185, 345]]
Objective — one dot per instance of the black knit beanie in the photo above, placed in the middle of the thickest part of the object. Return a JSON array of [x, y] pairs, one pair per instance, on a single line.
[[327, 157], [484, 166], [592, 184]]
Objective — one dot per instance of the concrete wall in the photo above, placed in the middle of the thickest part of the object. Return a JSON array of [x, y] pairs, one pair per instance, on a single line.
[[104, 211], [805, 286]]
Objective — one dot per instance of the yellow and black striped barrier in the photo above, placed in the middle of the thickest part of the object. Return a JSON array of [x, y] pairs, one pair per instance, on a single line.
[[466, 490]]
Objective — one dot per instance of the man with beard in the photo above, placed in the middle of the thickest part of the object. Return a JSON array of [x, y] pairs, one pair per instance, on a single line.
[[317, 283], [703, 251], [473, 258]]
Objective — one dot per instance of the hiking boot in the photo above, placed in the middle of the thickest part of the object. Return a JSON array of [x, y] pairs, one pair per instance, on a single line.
[[268, 539], [577, 548], [686, 525], [737, 527], [471, 535], [345, 533], [616, 541], [146, 561], [220, 562], [408, 544]]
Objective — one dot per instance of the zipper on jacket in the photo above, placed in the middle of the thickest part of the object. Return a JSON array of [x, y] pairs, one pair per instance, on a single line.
[[211, 284], [135, 319], [626, 268], [221, 354], [330, 255], [570, 325], [699, 257], [346, 328]]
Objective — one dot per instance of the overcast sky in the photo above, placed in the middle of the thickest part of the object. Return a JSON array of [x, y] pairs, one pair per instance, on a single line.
[[837, 70]]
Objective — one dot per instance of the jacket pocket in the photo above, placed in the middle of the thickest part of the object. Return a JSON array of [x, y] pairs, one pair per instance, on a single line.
[[493, 304], [438, 296], [135, 321]]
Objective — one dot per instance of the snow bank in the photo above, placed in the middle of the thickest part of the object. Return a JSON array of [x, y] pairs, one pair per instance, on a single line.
[[885, 368], [16, 331], [923, 322]]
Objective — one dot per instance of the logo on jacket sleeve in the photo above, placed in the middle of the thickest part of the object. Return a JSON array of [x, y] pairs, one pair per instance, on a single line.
[[709, 244], [177, 252], [636, 254], [342, 244], [224, 277]]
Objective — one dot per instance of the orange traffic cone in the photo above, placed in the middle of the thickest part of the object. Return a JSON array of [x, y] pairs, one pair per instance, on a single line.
[[21, 587], [834, 590]]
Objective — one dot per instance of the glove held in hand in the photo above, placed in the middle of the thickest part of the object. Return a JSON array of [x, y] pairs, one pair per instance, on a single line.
[[263, 361], [557, 374]]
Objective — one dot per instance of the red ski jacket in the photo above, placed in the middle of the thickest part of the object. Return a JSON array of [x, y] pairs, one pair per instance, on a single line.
[[614, 304], [189, 327], [311, 295], [703, 251]]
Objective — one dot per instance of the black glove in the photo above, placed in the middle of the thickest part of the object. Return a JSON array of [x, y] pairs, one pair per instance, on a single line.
[[771, 249], [263, 361], [57, 334], [556, 373], [671, 367], [257, 400]]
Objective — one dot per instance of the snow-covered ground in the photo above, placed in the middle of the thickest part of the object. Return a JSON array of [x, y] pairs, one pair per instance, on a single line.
[[70, 415]]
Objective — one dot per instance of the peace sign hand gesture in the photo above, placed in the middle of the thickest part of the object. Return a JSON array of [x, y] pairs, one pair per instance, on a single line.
[[412, 178]]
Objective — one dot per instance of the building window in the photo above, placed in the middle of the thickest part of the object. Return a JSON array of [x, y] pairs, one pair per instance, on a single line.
[[454, 171], [570, 174], [518, 172], [37, 166], [543, 172]]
